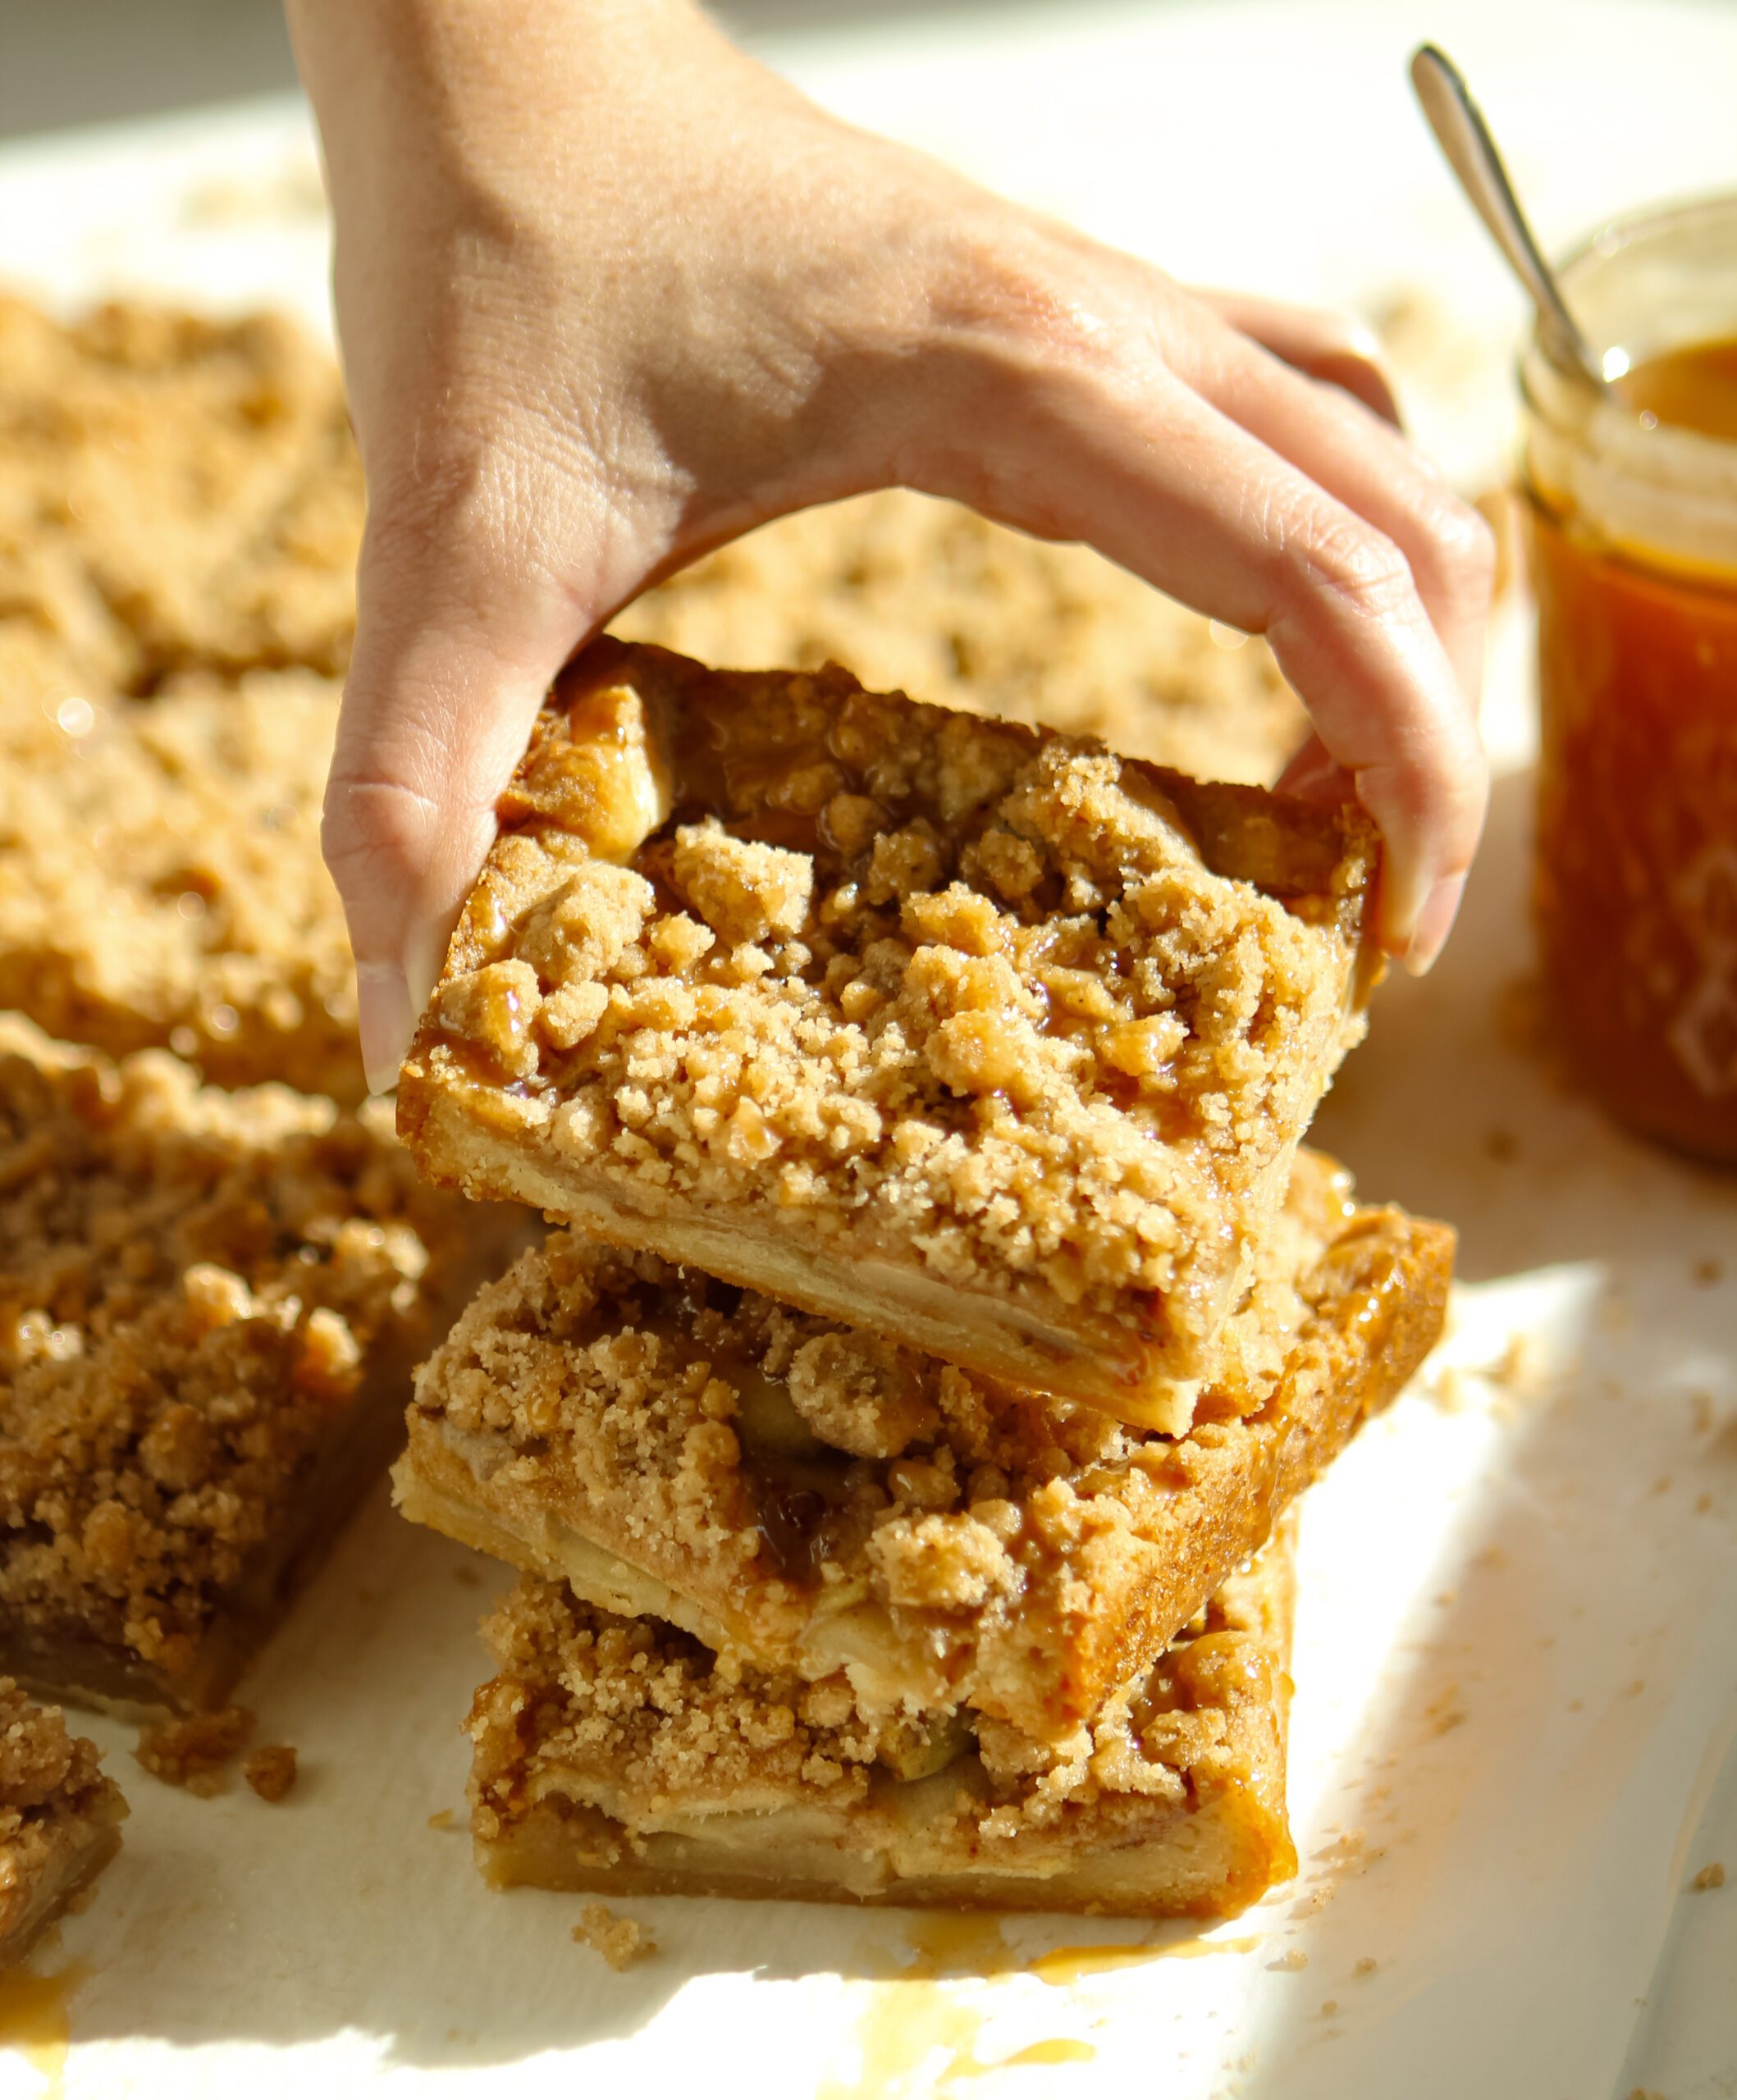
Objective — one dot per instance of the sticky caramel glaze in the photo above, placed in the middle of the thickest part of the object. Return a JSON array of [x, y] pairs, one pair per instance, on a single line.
[[1636, 893]]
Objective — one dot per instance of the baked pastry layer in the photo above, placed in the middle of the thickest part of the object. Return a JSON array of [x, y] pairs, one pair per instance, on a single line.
[[164, 881], [60, 1818], [814, 1501], [919, 596], [955, 1030], [209, 1306], [175, 494], [616, 1753]]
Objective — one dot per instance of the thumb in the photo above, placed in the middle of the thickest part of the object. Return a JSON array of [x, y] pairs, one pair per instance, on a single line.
[[456, 647]]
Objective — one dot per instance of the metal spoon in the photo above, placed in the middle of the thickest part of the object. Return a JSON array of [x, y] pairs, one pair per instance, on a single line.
[[1464, 138]]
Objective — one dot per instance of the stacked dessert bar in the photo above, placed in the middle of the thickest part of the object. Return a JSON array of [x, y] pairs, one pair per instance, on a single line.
[[897, 1435]]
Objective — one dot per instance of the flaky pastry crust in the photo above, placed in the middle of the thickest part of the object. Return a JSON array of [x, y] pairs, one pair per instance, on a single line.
[[962, 1032]]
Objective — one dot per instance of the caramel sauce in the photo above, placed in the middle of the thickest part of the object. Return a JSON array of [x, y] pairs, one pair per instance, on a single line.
[[1694, 388], [36, 2021], [1636, 893]]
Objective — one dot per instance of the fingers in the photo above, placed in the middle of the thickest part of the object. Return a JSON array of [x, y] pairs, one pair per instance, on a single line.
[[1336, 347], [1374, 472], [454, 650], [1117, 449]]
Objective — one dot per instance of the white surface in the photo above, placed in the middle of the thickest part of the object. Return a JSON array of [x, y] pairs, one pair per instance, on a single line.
[[1515, 1668]]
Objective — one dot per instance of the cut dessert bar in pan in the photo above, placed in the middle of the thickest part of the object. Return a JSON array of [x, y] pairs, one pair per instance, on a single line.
[[814, 1499], [210, 1304], [176, 493], [60, 1819], [165, 886], [961, 1032], [616, 1754]]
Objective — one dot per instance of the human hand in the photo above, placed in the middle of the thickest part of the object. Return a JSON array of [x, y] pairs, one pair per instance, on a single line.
[[610, 293]]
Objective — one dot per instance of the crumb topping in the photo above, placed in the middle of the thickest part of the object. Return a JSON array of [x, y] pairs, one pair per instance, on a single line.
[[193, 1285], [195, 1752], [620, 1941], [167, 884], [920, 985], [55, 1801], [923, 596], [270, 1770], [176, 494]]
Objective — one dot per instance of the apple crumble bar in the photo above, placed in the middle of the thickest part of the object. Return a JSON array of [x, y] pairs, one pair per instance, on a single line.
[[60, 1819], [616, 1755], [175, 493], [950, 1029], [166, 885], [209, 1306], [814, 1499], [924, 596]]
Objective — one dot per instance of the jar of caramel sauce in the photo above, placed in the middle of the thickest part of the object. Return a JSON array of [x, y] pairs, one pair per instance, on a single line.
[[1632, 503]]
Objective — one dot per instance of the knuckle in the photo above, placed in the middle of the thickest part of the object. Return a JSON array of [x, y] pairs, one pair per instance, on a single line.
[[1456, 548], [1352, 563], [375, 827]]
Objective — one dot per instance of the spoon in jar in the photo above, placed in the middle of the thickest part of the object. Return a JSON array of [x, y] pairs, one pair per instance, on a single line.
[[1464, 138]]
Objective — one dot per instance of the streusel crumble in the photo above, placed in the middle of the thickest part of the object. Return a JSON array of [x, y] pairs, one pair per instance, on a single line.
[[923, 596], [175, 493], [210, 1306], [948, 1028], [165, 885], [60, 1818], [813, 1498], [616, 1755]]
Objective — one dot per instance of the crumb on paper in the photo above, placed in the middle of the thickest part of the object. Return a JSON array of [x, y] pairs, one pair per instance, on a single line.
[[1711, 1876], [1707, 1270], [1366, 1965], [467, 1576], [1703, 1503], [270, 1770], [1635, 1689], [1501, 1145], [1662, 1485], [1292, 1959], [620, 1941], [1444, 1712], [1702, 1416], [1329, 2006], [441, 1819], [195, 1752]]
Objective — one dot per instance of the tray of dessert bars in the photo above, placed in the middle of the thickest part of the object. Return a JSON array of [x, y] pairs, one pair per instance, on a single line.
[[717, 1689]]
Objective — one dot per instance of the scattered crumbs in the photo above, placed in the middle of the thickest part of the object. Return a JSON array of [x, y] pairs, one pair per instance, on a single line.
[[1366, 1965], [467, 1576], [1707, 1270], [1445, 1597], [1575, 1706], [270, 1770], [1291, 1961], [1661, 1485], [1523, 1369], [1635, 1690], [1501, 1145], [1701, 1407], [1445, 1713], [620, 1941], [1329, 2006], [1452, 1389], [1491, 1558], [1703, 1503], [441, 1819], [1709, 1877], [194, 1751]]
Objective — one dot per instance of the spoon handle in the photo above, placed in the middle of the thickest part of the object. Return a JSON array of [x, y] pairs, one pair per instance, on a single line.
[[1464, 138]]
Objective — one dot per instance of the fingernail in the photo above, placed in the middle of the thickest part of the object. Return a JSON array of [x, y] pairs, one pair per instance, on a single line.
[[385, 1020], [1433, 922]]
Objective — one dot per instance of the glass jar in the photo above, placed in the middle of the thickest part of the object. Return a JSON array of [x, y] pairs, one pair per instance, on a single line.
[[1633, 535]]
